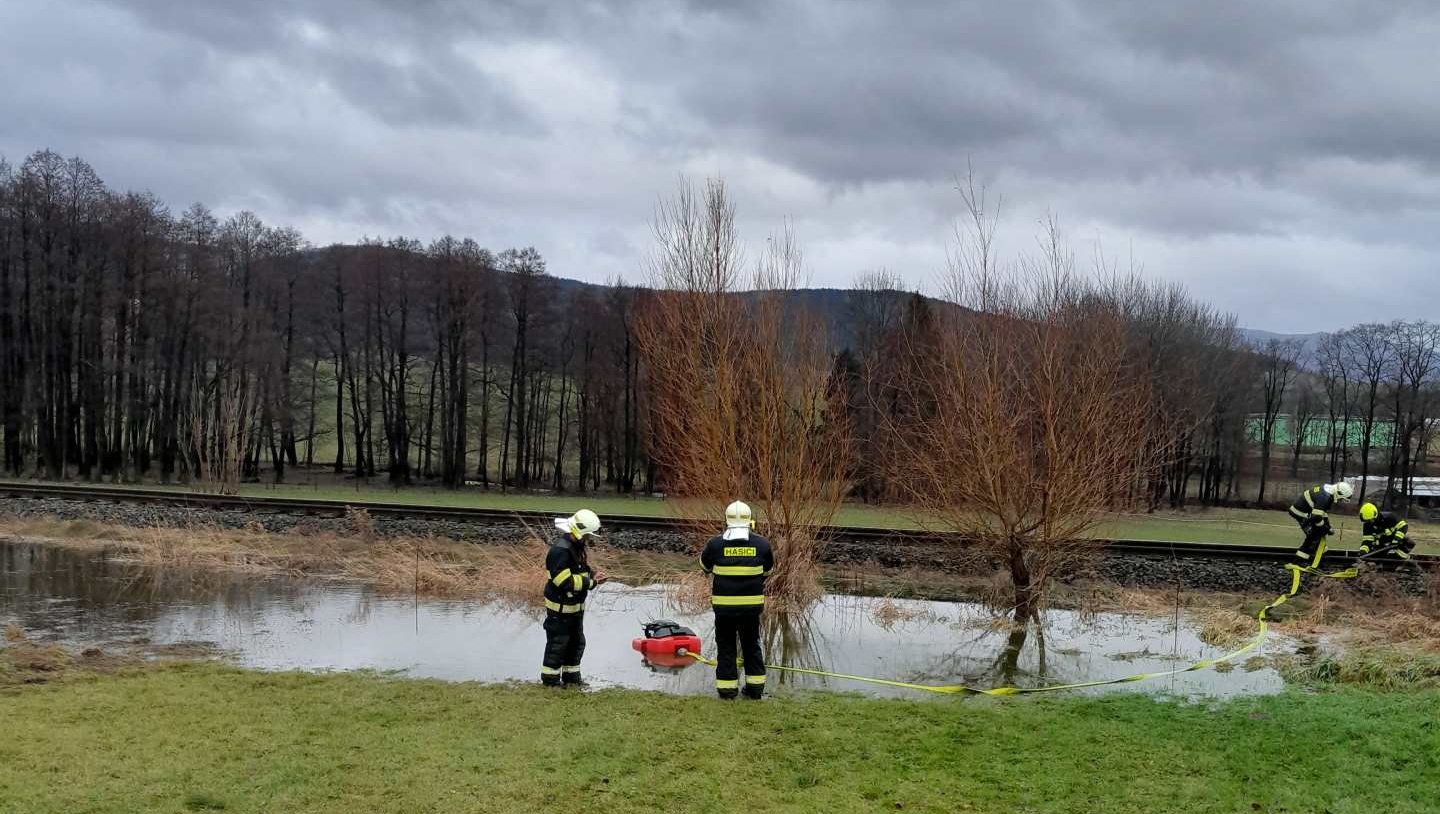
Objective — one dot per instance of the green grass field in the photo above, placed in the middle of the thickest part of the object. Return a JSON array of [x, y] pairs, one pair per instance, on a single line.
[[198, 738], [1244, 527], [1216, 526]]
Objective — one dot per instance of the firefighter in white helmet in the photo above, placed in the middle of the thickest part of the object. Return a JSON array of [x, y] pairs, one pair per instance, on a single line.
[[739, 560], [1312, 511], [569, 581]]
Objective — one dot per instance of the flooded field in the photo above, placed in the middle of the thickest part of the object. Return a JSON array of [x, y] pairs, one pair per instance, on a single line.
[[86, 599]]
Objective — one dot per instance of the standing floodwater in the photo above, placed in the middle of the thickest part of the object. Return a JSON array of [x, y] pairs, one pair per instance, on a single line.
[[84, 598]]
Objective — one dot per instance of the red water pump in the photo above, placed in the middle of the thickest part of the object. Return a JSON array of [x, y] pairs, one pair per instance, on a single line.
[[667, 644]]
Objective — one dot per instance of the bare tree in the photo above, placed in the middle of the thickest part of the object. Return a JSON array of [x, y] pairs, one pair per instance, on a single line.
[[1029, 415], [1371, 355], [13, 357], [1302, 417], [739, 384], [1334, 371], [1194, 361], [525, 270], [1416, 354], [1279, 361]]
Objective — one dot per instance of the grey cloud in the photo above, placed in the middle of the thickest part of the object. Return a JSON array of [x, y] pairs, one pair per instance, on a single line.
[[1233, 140], [1208, 88], [400, 67]]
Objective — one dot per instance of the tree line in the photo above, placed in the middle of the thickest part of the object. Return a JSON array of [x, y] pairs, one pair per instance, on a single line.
[[1357, 403], [136, 342]]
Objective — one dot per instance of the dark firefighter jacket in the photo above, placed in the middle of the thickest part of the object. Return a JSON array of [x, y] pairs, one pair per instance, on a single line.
[[569, 578], [1386, 529], [739, 568], [1313, 507]]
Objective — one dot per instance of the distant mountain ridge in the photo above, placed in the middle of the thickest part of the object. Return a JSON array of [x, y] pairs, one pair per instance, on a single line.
[[834, 303]]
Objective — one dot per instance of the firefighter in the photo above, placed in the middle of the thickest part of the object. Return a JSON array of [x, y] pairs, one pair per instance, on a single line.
[[569, 581], [739, 560], [1312, 511], [1384, 530]]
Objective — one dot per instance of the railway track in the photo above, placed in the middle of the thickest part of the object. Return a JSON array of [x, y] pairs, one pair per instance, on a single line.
[[858, 534]]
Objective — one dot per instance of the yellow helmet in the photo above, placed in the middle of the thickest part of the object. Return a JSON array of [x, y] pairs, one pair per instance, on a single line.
[[1369, 512]]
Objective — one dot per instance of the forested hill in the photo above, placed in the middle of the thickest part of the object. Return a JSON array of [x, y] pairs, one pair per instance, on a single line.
[[1309, 343], [835, 306], [838, 305]]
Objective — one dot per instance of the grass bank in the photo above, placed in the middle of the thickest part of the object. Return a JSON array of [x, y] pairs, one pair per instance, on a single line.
[[212, 738]]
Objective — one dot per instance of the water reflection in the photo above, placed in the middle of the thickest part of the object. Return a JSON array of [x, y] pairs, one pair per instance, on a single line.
[[89, 599]]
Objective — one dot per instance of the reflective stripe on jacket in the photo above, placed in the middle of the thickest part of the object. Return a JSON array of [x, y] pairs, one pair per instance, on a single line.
[[1387, 528], [739, 568], [1313, 505], [568, 578]]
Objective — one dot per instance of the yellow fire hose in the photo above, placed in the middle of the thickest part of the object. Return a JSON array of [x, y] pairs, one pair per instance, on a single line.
[[962, 689]]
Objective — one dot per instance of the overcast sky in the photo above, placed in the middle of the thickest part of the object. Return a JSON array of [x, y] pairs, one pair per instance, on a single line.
[[1282, 159]]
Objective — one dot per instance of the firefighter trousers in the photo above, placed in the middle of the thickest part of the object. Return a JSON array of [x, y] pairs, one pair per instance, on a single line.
[[742, 626], [1313, 548], [564, 647]]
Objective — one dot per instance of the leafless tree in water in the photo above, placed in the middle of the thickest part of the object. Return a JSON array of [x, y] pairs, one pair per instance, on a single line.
[[739, 377], [1027, 417]]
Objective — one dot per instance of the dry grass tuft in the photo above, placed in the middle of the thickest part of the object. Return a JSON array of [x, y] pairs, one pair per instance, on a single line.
[[1317, 615], [211, 549], [688, 593], [887, 613], [361, 526], [79, 534], [1101, 597], [23, 661], [1388, 668], [795, 584], [1223, 627], [429, 567], [49, 658], [29, 662]]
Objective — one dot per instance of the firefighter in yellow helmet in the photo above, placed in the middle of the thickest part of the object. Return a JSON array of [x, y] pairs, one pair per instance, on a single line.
[[568, 581], [1384, 530], [739, 560]]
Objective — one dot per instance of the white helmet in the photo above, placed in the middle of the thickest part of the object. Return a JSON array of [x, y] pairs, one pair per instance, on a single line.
[[738, 516], [1344, 491], [580, 524]]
